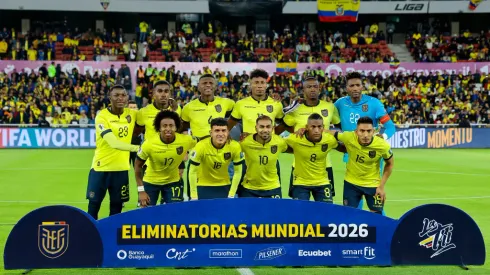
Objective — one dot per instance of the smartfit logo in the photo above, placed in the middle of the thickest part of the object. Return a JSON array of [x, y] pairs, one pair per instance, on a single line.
[[367, 253], [270, 253]]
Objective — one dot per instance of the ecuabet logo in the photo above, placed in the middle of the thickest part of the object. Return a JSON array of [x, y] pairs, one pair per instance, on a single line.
[[53, 238], [270, 253], [438, 236]]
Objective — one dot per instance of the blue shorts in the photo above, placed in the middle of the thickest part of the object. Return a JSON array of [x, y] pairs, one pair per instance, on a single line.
[[330, 177], [213, 192], [354, 193], [321, 193], [171, 192], [249, 193], [117, 183]]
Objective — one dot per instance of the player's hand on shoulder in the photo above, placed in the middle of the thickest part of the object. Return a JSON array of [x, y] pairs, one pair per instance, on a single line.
[[173, 104], [300, 133]]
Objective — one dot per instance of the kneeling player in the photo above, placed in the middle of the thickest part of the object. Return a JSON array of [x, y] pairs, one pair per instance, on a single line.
[[362, 177], [261, 155], [209, 161], [162, 154], [310, 176]]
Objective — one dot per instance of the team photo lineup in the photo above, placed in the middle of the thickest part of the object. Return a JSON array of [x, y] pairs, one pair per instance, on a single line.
[[198, 137]]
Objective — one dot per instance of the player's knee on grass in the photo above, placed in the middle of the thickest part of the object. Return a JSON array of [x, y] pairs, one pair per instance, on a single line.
[[300, 193], [173, 192], [213, 192], [323, 193]]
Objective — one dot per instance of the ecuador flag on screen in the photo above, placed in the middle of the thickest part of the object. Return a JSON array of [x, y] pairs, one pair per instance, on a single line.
[[287, 68], [338, 10], [473, 4]]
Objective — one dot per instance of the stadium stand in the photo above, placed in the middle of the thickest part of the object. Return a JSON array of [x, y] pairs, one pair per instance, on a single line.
[[190, 44], [73, 98]]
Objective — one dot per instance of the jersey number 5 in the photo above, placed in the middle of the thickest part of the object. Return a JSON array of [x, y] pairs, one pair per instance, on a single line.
[[123, 131]]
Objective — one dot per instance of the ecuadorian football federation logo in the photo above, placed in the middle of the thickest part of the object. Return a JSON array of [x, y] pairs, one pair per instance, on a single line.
[[273, 149], [128, 118], [339, 11], [372, 154], [270, 108], [218, 108], [325, 112], [324, 147], [227, 155], [365, 107], [105, 4], [180, 150], [53, 238]]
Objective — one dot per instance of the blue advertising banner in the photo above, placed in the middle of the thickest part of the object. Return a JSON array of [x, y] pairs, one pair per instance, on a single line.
[[243, 232], [404, 138]]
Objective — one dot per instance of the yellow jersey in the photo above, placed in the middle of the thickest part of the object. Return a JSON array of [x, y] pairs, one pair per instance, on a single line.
[[364, 161], [261, 162], [146, 116], [199, 114], [248, 109], [163, 159], [213, 162], [311, 159], [299, 118], [106, 158]]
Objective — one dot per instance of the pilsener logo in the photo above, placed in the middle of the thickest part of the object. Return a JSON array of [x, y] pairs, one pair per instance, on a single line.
[[225, 253], [316, 253], [270, 253]]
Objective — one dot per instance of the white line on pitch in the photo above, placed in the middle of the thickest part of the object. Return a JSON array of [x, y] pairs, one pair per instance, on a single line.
[[245, 271], [390, 200]]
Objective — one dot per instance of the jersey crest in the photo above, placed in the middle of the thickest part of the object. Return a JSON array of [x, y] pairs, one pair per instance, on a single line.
[[365, 107], [128, 118], [273, 149], [218, 108], [324, 147], [180, 150], [227, 155], [372, 154], [325, 112], [270, 108]]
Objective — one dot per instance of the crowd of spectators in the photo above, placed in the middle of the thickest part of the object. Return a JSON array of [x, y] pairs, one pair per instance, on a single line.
[[212, 42], [74, 98]]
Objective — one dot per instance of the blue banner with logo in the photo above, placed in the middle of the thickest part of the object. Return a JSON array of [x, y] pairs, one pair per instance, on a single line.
[[47, 137], [243, 232]]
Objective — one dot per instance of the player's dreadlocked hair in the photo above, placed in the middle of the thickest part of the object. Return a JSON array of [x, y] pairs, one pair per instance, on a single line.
[[166, 114], [353, 75], [365, 120]]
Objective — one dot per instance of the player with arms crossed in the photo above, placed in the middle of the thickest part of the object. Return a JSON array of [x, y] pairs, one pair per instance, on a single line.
[[357, 105], [362, 177], [310, 175], [114, 129], [208, 175], [297, 116], [262, 151], [198, 114], [162, 154]]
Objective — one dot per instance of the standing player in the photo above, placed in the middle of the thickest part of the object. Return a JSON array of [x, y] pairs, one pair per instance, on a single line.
[[198, 114], [137, 139], [362, 177], [208, 175], [162, 154], [114, 129], [357, 105], [310, 176], [297, 117], [262, 151]]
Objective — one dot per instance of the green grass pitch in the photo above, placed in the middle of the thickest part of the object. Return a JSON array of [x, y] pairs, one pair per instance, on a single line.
[[30, 179]]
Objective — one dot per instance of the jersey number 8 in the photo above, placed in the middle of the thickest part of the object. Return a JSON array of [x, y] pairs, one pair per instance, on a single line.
[[123, 131]]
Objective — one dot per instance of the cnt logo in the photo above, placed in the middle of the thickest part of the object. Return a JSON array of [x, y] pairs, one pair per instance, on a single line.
[[270, 253], [134, 255], [367, 253], [174, 254]]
